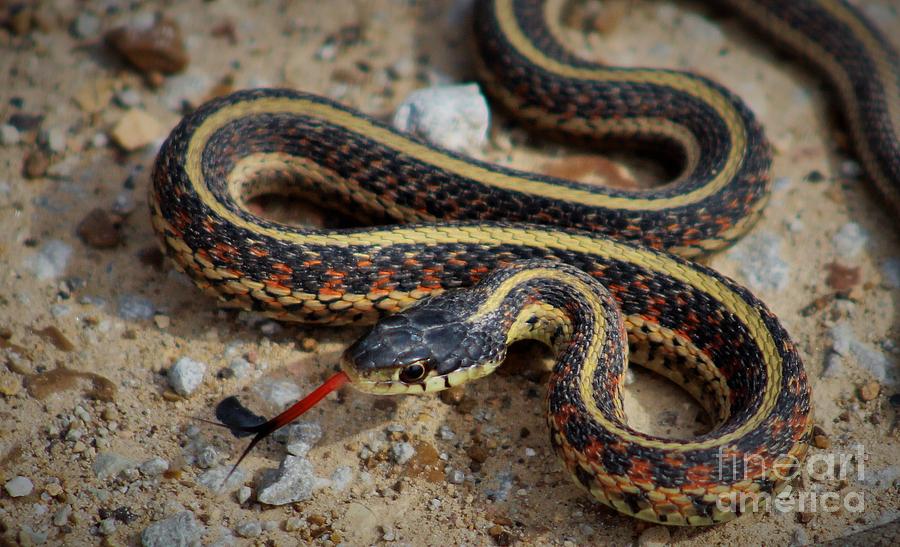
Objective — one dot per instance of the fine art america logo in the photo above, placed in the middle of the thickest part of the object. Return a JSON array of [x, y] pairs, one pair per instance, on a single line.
[[820, 467]]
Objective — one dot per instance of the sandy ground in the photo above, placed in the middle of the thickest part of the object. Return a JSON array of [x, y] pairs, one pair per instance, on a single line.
[[824, 257]]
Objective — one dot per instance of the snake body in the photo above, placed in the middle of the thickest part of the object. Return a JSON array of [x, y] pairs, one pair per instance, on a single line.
[[464, 219]]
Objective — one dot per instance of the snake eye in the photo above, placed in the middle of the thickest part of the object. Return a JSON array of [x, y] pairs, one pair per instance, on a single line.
[[412, 373]]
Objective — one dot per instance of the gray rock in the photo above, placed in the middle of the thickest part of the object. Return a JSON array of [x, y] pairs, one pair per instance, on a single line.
[[760, 263], [456, 476], [445, 433], [240, 367], [300, 437], [501, 487], [341, 478], [214, 479], [243, 494], [278, 393], [9, 135], [110, 464], [850, 240], [250, 529], [51, 260], [890, 272], [107, 527], [207, 457], [454, 117], [86, 25], [154, 467], [134, 307], [294, 481], [176, 531], [402, 452], [61, 516], [19, 486], [186, 375], [870, 358]]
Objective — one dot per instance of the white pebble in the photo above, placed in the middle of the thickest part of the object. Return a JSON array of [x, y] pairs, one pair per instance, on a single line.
[[9, 135], [186, 375], [850, 240], [402, 452], [655, 536], [19, 486], [154, 467], [51, 260], [454, 117], [56, 140]]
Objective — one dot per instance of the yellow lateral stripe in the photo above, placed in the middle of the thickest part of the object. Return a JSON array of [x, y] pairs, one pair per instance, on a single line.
[[690, 86]]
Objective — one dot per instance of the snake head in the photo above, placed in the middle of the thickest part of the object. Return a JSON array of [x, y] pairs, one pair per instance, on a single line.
[[430, 346]]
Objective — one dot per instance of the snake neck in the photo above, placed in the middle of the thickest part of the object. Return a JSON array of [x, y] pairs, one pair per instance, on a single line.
[[572, 313]]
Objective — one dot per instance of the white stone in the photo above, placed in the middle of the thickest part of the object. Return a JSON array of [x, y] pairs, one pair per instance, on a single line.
[[850, 240], [51, 260], [453, 117], [9, 135], [19, 486], [186, 375]]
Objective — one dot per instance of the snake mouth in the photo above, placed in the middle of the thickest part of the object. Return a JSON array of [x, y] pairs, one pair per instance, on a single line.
[[387, 381]]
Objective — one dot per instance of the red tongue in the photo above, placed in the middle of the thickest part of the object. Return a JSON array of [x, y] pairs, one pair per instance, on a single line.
[[295, 411]]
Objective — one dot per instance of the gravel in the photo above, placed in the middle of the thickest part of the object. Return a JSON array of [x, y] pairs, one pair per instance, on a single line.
[[402, 452], [850, 240], [51, 260], [214, 479], [278, 393], [135, 308], [19, 486], [250, 529], [760, 263], [179, 530], [186, 375], [294, 481], [154, 467], [454, 117], [341, 478], [110, 464]]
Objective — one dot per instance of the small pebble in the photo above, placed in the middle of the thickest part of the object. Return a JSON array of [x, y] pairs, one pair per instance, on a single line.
[[186, 375], [61, 516], [278, 393], [341, 478], [760, 263], [107, 527], [454, 117], [9, 135], [19, 486], [890, 272], [180, 529], [151, 46], [36, 164], [402, 452], [456, 476], [293, 524], [250, 529], [110, 464], [243, 494], [445, 433], [129, 98], [154, 467], [135, 130], [214, 479], [86, 25], [100, 230], [134, 307], [207, 457], [849, 240], [162, 321], [309, 344], [655, 536], [294, 481], [869, 391], [239, 367], [56, 140]]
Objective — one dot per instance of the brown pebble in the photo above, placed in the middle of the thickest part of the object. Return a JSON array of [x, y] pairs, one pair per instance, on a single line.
[[316, 520], [36, 164], [453, 396], [804, 517], [55, 337], [135, 130], [478, 453], [821, 441], [842, 278], [171, 396], [154, 49], [309, 344], [467, 405], [100, 230], [869, 390], [21, 21], [152, 256], [162, 321], [500, 535]]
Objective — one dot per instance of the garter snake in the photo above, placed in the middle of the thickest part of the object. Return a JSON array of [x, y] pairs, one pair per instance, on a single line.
[[538, 245]]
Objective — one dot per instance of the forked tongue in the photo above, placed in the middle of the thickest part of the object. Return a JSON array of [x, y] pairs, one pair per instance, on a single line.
[[236, 412]]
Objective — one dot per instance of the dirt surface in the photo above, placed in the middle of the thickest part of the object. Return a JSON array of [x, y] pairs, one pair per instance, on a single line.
[[91, 318]]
